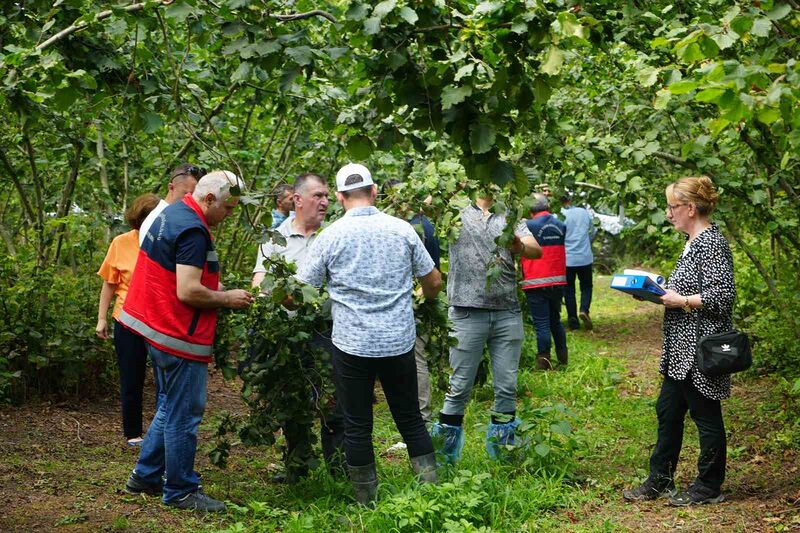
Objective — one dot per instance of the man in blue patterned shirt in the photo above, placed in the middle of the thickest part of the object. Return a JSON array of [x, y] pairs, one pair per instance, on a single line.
[[368, 259]]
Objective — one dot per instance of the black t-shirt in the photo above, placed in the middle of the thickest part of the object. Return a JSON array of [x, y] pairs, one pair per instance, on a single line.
[[190, 248]]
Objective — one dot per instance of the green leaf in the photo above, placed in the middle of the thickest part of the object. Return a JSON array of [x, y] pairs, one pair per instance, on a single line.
[[487, 7], [242, 73], [761, 27], [301, 55], [758, 196], [741, 25], [481, 138], [683, 87], [784, 163], [409, 15], [662, 98], [717, 125], [503, 173], [384, 8], [151, 122], [454, 95], [709, 95], [357, 12], [465, 70], [553, 61], [542, 449], [179, 11], [779, 11], [236, 4], [691, 53], [359, 147], [372, 25], [723, 40], [768, 115], [647, 77]]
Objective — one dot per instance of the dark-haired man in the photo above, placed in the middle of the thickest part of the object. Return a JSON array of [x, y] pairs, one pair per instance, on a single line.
[[368, 259], [182, 181], [284, 204]]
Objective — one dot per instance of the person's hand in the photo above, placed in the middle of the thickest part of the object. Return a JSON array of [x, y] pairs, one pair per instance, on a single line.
[[238, 298], [101, 329], [516, 246], [672, 300]]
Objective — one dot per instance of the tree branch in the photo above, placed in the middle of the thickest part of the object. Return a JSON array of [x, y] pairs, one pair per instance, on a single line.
[[27, 210], [100, 16], [66, 194], [299, 16]]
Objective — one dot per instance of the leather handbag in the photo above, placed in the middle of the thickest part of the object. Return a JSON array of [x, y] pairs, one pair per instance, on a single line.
[[722, 353]]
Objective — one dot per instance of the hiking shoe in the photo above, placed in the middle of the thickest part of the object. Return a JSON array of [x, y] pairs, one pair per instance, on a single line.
[[649, 491], [198, 501], [587, 322], [696, 495], [543, 361], [136, 486]]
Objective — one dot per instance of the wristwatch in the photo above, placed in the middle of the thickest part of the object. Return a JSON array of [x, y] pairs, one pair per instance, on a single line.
[[686, 307]]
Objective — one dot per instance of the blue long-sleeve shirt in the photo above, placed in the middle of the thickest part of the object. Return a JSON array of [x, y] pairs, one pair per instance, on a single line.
[[580, 232]]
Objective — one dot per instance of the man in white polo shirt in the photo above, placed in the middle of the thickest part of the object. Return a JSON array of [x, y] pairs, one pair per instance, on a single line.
[[369, 260], [182, 181], [311, 205]]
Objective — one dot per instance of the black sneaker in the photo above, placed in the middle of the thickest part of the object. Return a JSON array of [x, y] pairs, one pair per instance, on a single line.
[[696, 495], [587, 321], [136, 486], [649, 490], [198, 501]]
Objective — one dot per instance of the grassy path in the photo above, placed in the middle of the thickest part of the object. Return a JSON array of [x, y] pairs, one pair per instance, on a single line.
[[61, 467]]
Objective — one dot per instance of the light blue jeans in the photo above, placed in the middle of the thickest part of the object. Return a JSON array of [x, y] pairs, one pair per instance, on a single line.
[[171, 441], [475, 328]]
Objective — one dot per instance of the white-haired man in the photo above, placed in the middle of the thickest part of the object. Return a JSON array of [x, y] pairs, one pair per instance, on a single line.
[[172, 302]]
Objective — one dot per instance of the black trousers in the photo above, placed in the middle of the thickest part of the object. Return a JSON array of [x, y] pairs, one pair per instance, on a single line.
[[355, 382], [132, 361], [675, 399], [584, 275]]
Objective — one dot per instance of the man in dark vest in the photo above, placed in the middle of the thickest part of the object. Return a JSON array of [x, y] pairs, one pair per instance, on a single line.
[[544, 279], [172, 302]]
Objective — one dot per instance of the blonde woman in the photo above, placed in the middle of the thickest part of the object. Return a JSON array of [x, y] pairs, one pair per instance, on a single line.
[[699, 301], [116, 272]]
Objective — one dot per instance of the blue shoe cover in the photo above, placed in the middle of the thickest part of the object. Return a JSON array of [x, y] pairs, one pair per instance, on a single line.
[[449, 441], [500, 435]]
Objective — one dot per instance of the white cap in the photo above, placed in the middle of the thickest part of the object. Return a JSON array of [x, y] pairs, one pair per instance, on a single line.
[[353, 176]]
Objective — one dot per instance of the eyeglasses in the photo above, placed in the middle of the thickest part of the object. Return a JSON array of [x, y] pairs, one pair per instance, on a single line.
[[671, 208]]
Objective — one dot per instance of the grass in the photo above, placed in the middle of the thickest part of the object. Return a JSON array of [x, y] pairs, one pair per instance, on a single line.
[[595, 419]]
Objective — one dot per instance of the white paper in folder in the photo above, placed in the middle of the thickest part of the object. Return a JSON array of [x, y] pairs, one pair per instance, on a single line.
[[655, 277]]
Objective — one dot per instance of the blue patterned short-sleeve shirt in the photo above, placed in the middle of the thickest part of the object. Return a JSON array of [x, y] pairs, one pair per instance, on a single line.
[[368, 259]]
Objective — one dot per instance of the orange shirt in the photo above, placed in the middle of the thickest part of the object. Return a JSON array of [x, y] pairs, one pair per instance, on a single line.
[[118, 266]]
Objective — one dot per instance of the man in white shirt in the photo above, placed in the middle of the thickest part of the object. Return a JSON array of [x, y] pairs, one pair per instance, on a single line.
[[182, 181]]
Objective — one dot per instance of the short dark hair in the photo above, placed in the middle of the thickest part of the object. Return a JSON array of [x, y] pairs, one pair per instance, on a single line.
[[361, 192], [301, 181], [281, 189], [140, 208], [189, 170]]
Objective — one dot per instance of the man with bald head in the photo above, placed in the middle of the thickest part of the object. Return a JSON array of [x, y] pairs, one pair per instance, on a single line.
[[172, 303]]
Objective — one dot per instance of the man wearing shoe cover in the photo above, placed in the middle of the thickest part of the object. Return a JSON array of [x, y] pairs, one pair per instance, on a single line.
[[369, 260], [483, 314], [172, 302]]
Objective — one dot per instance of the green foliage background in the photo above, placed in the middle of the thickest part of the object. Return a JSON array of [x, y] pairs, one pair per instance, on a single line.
[[99, 100]]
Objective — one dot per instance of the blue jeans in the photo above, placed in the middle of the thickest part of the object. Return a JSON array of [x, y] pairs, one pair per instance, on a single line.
[[584, 274], [545, 307], [171, 441], [474, 329]]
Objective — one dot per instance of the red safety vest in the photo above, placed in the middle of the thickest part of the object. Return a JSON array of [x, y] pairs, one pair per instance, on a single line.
[[551, 268], [152, 308]]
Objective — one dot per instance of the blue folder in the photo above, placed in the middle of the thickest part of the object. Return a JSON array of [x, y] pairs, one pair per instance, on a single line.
[[641, 286]]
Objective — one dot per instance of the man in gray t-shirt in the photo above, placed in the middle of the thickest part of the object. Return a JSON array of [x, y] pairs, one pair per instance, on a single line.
[[369, 259], [483, 313]]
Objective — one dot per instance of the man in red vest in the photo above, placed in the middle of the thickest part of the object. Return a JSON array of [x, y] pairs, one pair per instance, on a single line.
[[172, 302], [544, 280]]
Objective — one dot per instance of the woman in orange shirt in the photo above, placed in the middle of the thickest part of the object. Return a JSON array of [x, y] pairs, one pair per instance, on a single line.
[[131, 349]]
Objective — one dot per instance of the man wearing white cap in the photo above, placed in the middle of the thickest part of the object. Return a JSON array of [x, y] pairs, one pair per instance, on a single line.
[[368, 259]]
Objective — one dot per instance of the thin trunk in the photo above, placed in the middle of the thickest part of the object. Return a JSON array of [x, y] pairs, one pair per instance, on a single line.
[[66, 195], [6, 235], [38, 197], [101, 158], [27, 210], [268, 148], [246, 128], [124, 176]]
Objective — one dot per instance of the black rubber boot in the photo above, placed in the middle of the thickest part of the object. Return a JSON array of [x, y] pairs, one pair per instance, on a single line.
[[424, 467], [365, 483], [543, 361], [563, 355]]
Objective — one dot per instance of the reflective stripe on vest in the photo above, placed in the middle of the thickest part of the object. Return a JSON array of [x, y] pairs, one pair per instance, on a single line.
[[164, 340], [542, 281], [211, 256]]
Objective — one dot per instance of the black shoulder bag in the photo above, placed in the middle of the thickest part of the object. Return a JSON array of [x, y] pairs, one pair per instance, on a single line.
[[721, 353]]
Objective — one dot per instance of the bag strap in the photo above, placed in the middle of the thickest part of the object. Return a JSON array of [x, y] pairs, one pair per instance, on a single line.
[[697, 322]]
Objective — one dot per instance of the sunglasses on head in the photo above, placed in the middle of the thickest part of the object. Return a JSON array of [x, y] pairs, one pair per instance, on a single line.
[[195, 172]]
